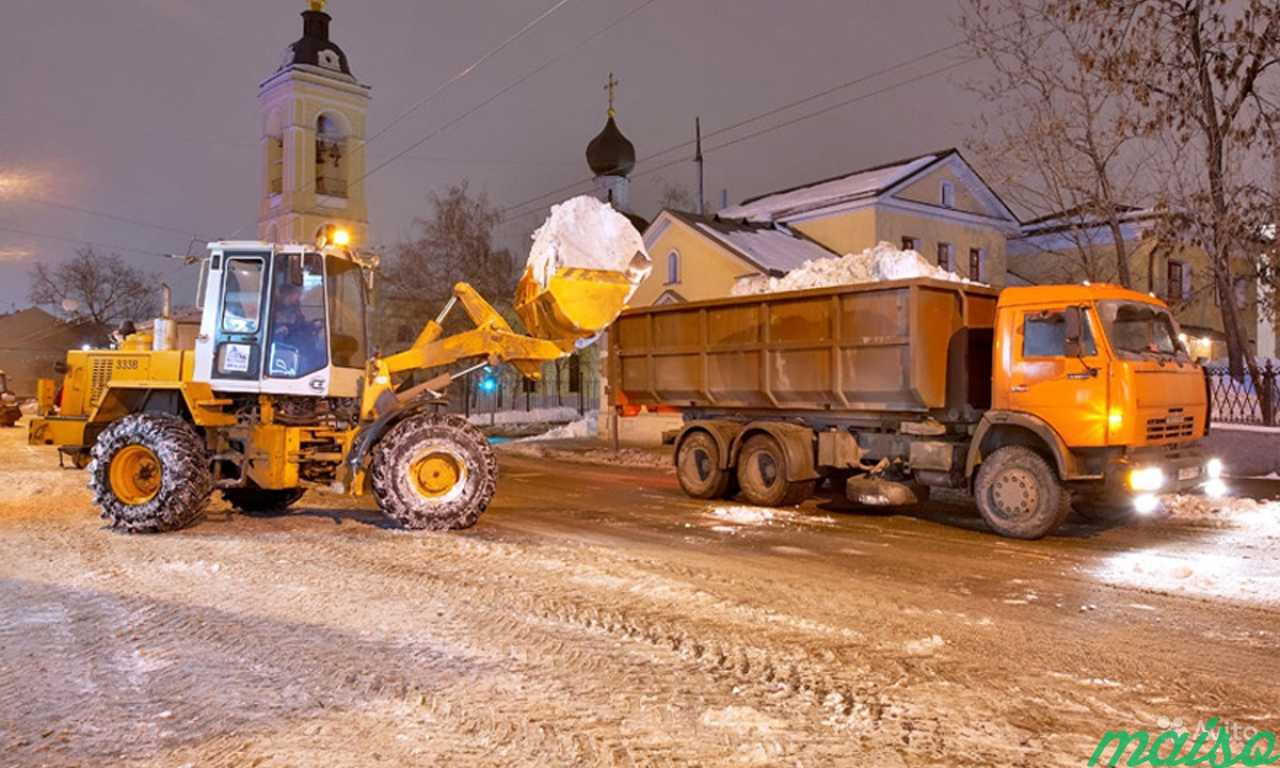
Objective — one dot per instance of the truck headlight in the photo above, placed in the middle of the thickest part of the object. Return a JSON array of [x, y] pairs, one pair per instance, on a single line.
[[1213, 469], [1215, 488], [1146, 503], [1146, 479]]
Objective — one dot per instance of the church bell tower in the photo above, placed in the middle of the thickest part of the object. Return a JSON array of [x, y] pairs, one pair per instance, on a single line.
[[313, 113]]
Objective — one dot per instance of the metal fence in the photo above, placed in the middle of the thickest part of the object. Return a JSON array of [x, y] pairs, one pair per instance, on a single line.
[[571, 385], [1247, 401]]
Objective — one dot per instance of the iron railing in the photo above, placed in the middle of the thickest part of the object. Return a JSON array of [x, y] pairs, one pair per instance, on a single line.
[[1247, 401]]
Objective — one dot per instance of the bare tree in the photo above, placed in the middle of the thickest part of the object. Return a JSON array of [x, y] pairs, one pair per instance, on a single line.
[[1196, 70], [1064, 142], [456, 244], [101, 291], [676, 197]]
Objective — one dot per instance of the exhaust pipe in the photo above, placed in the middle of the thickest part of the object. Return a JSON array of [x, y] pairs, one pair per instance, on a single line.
[[165, 330]]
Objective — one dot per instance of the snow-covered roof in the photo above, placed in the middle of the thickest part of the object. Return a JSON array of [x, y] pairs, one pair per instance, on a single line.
[[771, 248], [821, 194]]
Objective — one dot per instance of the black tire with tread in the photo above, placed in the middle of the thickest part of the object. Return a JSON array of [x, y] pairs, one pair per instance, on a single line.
[[186, 478], [252, 500], [774, 490], [698, 468], [1052, 501], [395, 453]]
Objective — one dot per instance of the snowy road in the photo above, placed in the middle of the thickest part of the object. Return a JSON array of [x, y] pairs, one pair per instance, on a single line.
[[596, 616]]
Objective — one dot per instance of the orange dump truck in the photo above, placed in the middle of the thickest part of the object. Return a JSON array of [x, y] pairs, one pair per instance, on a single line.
[[1030, 398]]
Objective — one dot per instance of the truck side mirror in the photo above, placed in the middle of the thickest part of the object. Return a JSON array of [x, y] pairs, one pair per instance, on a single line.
[[1073, 332]]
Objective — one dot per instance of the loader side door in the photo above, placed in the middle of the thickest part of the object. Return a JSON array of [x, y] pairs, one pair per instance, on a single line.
[[237, 352]]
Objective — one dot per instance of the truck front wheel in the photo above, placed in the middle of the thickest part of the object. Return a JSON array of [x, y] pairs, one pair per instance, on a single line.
[[1019, 494], [762, 473], [698, 468]]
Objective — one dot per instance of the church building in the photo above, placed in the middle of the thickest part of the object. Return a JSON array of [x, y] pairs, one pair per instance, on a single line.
[[313, 130]]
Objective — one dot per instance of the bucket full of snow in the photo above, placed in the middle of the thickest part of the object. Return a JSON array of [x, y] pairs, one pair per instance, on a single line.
[[586, 263]]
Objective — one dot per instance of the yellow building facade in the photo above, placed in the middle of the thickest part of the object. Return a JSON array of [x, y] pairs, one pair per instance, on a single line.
[[935, 204], [313, 118]]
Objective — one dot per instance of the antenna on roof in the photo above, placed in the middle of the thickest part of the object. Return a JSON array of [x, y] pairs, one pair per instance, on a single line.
[[697, 132]]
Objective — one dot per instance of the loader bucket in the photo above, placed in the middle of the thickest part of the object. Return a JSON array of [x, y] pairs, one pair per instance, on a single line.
[[576, 305]]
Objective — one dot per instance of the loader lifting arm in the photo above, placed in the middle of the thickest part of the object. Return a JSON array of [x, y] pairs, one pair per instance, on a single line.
[[492, 339]]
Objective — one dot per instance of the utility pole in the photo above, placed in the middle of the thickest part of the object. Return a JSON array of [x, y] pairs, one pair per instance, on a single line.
[[697, 131]]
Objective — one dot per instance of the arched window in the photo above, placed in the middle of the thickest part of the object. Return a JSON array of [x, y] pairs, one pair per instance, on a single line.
[[948, 195], [331, 175], [673, 267]]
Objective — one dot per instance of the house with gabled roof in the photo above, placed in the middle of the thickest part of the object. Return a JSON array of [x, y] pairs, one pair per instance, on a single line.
[[936, 204]]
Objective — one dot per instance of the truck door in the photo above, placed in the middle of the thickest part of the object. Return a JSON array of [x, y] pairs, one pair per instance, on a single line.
[[1062, 381], [237, 349]]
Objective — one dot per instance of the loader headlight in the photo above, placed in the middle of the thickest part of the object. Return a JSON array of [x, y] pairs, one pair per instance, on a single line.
[[1146, 479]]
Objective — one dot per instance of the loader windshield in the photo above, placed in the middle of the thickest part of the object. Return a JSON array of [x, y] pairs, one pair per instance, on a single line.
[[297, 345]]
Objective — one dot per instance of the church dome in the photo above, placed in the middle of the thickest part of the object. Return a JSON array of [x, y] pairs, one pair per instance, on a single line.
[[314, 47], [610, 153]]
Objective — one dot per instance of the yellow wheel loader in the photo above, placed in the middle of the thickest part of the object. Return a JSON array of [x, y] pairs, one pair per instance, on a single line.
[[276, 392]]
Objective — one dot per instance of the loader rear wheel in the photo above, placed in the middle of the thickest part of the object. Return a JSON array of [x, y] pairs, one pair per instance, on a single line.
[[1019, 494], [434, 472], [762, 473], [150, 473], [260, 501], [698, 468]]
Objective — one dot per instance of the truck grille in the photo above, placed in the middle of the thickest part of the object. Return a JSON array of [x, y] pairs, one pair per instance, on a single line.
[[99, 376], [1175, 424]]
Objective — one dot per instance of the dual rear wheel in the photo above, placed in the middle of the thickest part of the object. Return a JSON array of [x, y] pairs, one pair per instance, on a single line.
[[760, 474]]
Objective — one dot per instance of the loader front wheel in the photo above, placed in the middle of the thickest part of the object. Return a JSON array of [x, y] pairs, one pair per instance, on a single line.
[[150, 473], [434, 472]]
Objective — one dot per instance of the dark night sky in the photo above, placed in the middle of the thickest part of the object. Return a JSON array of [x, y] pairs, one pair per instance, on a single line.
[[147, 109]]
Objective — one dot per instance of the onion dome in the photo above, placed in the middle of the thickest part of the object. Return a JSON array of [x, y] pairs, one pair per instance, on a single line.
[[315, 48], [610, 153]]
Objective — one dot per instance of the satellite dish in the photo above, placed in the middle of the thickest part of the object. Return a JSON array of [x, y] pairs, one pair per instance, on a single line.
[[70, 305]]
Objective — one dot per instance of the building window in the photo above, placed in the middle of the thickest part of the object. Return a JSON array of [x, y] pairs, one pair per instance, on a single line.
[[948, 195], [975, 264], [275, 165], [331, 177], [910, 244], [944, 257], [1175, 275], [673, 267]]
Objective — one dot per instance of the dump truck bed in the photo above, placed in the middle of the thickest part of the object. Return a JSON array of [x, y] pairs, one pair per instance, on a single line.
[[919, 345]]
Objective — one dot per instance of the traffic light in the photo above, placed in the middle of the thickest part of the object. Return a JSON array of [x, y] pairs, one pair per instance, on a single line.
[[488, 380]]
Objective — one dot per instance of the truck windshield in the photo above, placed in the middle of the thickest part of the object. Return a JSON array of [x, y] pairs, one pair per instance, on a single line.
[[1139, 329]]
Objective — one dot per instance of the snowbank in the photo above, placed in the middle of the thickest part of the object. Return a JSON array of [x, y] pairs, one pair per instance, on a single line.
[[588, 426], [584, 232], [533, 416], [883, 262]]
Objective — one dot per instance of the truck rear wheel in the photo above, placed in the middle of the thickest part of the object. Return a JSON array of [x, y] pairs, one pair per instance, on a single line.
[[253, 500], [150, 473], [434, 472], [762, 474], [698, 468], [1019, 494]]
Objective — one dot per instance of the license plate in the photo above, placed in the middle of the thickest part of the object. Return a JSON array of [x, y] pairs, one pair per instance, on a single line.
[[1188, 473]]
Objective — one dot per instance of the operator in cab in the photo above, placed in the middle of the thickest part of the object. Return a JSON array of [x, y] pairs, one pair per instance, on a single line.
[[298, 328]]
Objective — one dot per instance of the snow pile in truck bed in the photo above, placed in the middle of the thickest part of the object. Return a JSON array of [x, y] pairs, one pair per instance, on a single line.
[[883, 262], [584, 232]]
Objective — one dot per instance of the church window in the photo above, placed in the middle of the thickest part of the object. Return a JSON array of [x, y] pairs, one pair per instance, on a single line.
[[948, 195], [331, 177], [329, 59], [275, 165], [673, 267]]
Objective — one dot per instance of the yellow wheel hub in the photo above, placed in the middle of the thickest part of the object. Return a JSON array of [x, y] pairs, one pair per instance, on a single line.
[[435, 474], [135, 475]]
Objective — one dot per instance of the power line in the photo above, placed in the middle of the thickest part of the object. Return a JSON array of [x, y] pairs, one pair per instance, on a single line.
[[79, 241], [466, 71], [510, 87], [113, 217], [754, 118]]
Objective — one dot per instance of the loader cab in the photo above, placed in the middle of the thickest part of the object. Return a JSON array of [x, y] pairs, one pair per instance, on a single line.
[[281, 319]]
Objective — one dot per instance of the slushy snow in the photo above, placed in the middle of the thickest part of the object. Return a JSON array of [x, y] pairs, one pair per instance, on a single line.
[[586, 233], [883, 262]]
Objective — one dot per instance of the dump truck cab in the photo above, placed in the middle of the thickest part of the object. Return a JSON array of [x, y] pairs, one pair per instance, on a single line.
[[1105, 370]]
